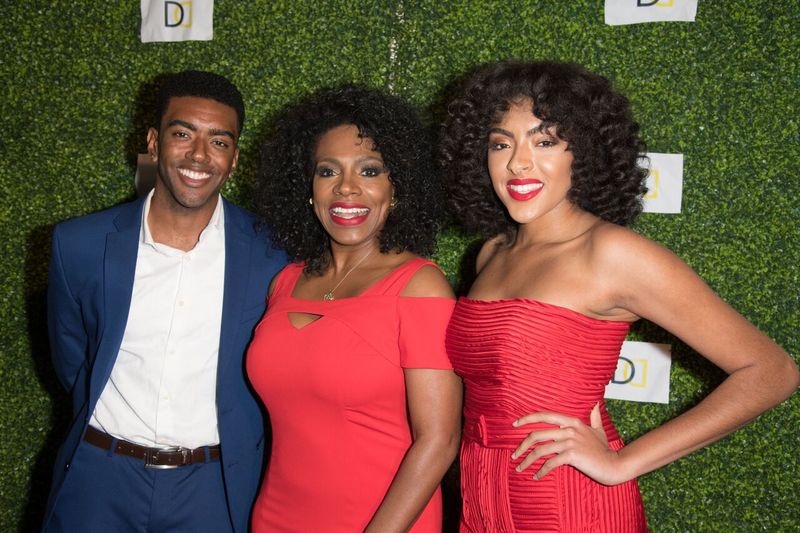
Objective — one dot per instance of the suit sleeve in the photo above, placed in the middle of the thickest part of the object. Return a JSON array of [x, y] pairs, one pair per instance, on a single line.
[[68, 339]]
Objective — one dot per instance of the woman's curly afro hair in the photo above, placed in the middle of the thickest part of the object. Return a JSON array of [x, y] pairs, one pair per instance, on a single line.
[[284, 179], [583, 109]]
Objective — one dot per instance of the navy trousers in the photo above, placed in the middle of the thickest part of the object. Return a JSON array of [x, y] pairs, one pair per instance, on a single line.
[[106, 492]]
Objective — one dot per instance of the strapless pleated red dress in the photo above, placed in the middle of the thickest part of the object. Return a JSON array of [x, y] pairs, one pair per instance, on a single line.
[[516, 357]]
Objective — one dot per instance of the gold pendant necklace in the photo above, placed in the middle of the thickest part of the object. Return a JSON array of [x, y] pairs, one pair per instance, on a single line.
[[329, 295]]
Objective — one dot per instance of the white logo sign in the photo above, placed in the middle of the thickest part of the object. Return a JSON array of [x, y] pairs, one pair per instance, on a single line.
[[664, 183], [642, 373], [177, 20], [635, 11]]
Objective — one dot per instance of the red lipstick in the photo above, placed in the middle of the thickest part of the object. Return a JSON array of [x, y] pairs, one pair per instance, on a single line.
[[348, 214], [523, 189]]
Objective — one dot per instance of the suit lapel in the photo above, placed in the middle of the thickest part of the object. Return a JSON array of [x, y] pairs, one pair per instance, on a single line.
[[119, 269], [237, 271]]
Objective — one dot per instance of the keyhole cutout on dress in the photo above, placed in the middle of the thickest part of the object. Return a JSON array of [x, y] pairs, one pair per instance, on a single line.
[[301, 320]]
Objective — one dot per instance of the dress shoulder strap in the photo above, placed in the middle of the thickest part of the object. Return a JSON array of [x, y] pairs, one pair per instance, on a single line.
[[287, 279], [396, 280]]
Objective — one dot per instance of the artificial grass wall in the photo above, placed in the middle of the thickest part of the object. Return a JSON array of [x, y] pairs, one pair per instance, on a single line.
[[722, 91]]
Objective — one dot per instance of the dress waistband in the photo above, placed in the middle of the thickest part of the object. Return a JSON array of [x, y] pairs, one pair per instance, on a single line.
[[497, 432]]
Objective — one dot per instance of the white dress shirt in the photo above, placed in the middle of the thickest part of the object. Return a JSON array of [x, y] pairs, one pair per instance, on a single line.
[[162, 389]]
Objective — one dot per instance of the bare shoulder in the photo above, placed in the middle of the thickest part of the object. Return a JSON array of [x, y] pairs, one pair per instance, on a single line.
[[644, 277], [488, 250], [429, 281], [621, 250]]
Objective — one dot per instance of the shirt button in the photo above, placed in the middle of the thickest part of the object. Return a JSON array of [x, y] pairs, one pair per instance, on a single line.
[[180, 303]]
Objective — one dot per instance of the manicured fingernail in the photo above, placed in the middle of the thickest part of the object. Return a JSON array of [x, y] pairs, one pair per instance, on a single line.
[[518, 469], [515, 423]]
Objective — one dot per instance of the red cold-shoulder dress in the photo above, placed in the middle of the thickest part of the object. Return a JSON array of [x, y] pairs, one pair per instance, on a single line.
[[335, 392]]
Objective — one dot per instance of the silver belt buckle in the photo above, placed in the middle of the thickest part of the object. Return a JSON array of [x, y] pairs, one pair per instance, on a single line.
[[151, 457]]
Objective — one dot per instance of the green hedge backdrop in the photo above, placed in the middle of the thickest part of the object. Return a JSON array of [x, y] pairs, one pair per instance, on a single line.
[[723, 91]]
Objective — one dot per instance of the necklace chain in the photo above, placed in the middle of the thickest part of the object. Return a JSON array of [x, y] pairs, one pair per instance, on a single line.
[[329, 295]]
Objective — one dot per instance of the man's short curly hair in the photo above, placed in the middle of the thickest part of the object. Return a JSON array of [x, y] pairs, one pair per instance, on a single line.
[[284, 178], [200, 84], [584, 110]]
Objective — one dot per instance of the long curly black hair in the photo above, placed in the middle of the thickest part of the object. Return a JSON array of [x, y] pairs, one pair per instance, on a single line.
[[284, 178], [586, 112]]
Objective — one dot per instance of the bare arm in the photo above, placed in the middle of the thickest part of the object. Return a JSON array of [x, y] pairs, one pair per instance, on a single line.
[[434, 404], [434, 407], [650, 281]]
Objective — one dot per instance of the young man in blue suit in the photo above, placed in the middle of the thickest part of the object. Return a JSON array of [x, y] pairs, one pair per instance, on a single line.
[[151, 306]]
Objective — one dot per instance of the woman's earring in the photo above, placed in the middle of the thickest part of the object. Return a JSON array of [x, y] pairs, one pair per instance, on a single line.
[[393, 202], [311, 201]]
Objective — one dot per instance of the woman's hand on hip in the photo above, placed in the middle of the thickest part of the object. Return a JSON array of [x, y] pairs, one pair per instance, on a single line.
[[571, 443]]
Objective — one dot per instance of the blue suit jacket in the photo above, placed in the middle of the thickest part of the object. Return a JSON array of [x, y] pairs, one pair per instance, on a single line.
[[89, 293]]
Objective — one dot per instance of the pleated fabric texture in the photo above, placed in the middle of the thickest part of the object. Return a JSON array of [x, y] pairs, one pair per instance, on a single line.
[[520, 356]]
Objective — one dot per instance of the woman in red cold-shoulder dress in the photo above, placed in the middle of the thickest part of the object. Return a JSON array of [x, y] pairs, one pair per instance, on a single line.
[[349, 358]]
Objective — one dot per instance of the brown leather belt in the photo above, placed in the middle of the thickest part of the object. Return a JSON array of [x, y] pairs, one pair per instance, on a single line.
[[153, 457]]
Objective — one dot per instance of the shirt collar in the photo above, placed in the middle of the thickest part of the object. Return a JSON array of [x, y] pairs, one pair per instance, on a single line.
[[216, 223]]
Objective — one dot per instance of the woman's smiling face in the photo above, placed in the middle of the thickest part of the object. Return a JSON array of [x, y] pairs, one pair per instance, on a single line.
[[529, 165], [351, 188]]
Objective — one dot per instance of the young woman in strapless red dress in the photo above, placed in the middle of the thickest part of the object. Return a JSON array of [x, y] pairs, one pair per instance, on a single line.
[[542, 159]]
